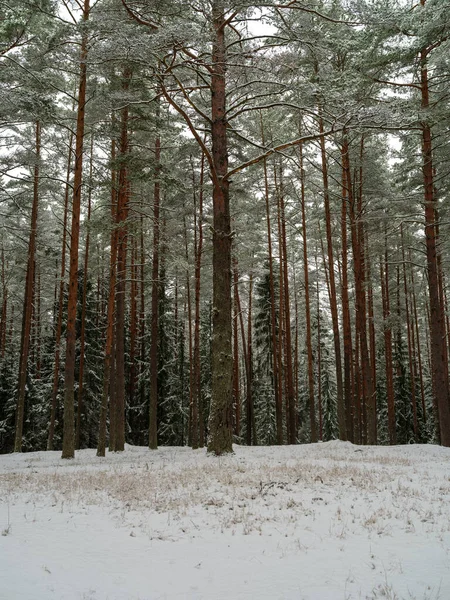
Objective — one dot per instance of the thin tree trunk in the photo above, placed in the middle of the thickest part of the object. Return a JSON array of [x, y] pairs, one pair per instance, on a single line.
[[109, 322], [281, 320], [333, 293], [411, 358], [371, 317], [153, 427], [193, 406], [349, 398], [292, 409], [251, 428], [319, 358], [236, 391], [83, 311], [198, 270], [416, 329], [28, 299], [38, 322], [3, 316], [132, 384], [309, 349], [273, 319], [368, 392], [387, 329], [68, 450]]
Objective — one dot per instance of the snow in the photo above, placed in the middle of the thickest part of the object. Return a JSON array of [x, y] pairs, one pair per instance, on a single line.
[[327, 521]]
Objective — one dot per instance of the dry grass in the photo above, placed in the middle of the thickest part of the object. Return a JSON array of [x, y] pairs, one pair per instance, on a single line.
[[249, 491]]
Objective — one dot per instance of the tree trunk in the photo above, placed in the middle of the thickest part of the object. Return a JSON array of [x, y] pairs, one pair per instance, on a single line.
[[333, 293], [366, 381], [349, 398], [109, 318], [68, 450], [3, 316], [309, 349], [196, 392], [291, 404], [236, 391], [28, 299], [193, 406], [411, 357], [416, 329], [220, 418], [57, 356], [251, 428], [153, 426], [437, 321], [273, 319], [83, 311], [122, 242], [387, 329]]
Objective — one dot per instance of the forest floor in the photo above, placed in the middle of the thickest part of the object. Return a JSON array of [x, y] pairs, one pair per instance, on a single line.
[[327, 521]]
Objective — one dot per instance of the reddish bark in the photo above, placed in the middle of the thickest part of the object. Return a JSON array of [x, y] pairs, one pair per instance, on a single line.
[[236, 390], [333, 294], [28, 299], [437, 319], [291, 399], [367, 389], [68, 450], [273, 323], [349, 399], [109, 351], [153, 432], [309, 349], [3, 316], [387, 331]]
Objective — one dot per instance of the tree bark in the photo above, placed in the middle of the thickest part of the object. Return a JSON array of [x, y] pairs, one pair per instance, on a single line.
[[387, 330], [309, 349], [366, 381], [122, 243], [83, 311], [57, 356], [291, 400], [68, 450], [273, 318], [153, 426], [349, 398], [101, 446], [333, 293], [220, 418], [437, 321], [28, 299]]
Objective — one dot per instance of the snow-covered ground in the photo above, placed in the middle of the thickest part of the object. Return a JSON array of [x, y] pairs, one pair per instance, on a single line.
[[327, 521]]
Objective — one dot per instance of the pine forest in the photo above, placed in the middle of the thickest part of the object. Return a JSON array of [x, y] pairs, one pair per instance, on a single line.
[[223, 222]]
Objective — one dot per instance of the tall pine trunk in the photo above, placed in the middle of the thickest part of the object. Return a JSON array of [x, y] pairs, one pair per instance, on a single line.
[[83, 311], [220, 417], [437, 319], [333, 293], [28, 299], [109, 346], [122, 243], [309, 349], [68, 450]]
